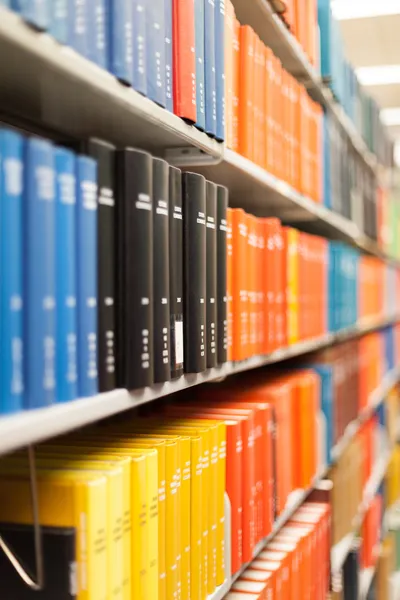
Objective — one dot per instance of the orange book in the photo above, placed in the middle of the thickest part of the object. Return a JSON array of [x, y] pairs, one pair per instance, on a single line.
[[300, 536], [240, 349], [291, 549], [297, 147], [284, 139], [229, 43], [268, 111], [280, 279], [278, 118], [246, 91], [229, 281], [261, 256], [269, 281], [184, 60], [251, 269], [310, 552], [261, 106], [275, 567], [267, 577], [259, 93], [284, 560], [235, 85], [262, 590]]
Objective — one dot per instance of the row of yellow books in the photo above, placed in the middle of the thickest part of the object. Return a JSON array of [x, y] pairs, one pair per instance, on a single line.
[[146, 499]]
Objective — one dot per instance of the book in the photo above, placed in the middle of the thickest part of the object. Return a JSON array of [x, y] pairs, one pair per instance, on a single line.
[[229, 280], [155, 51], [11, 253], [194, 277], [176, 271], [104, 154], [210, 68], [246, 85], [66, 276], [200, 74], [220, 67], [135, 274], [184, 63], [228, 43], [169, 57], [58, 27], [87, 289], [161, 292], [140, 46], [39, 281], [239, 285], [121, 41], [79, 27], [222, 291], [97, 11], [235, 84], [34, 12], [211, 274], [59, 553]]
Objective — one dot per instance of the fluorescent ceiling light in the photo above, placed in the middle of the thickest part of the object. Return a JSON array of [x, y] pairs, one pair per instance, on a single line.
[[380, 75], [390, 116], [362, 9]]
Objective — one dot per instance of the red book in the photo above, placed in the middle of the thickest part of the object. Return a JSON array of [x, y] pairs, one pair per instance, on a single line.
[[184, 60], [270, 286]]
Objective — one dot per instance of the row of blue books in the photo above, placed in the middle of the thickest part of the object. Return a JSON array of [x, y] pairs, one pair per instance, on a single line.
[[342, 286], [143, 43], [48, 296]]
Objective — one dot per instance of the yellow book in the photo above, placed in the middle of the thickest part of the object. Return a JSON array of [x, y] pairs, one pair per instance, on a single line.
[[114, 474], [88, 453], [75, 499], [293, 284], [393, 477]]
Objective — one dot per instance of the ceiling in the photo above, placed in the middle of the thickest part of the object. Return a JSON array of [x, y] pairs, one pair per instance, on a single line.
[[371, 37]]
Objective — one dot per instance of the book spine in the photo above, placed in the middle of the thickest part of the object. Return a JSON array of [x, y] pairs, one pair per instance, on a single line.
[[176, 270], [169, 41], [211, 273], [161, 295], [66, 313], [79, 27], [194, 260], [120, 40], [246, 84], [86, 189], [59, 20], [229, 281], [235, 84], [135, 269], [200, 75], [104, 154], [228, 49], [239, 285], [220, 67], [97, 47], [11, 253], [209, 68], [155, 51], [140, 46], [35, 12], [184, 71], [222, 291], [40, 273]]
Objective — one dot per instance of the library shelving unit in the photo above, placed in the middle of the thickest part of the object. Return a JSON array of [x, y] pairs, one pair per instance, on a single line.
[[70, 96]]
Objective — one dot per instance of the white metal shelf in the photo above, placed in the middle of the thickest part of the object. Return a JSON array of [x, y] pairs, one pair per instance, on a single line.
[[34, 426], [53, 86]]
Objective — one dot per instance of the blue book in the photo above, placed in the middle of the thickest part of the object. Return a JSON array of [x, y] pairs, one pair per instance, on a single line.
[[35, 12], [200, 74], [11, 253], [59, 20], [169, 73], [332, 287], [78, 14], [155, 41], [120, 40], [209, 67], [39, 285], [220, 67], [66, 326], [97, 32], [325, 373], [86, 258], [140, 46]]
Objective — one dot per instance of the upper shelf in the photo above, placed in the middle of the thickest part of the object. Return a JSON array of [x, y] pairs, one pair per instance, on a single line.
[[260, 15]]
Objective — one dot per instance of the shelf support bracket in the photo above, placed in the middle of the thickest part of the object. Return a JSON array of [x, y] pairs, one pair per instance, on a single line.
[[37, 582], [187, 157]]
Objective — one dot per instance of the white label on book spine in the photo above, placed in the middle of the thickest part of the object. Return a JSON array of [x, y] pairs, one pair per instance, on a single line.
[[179, 342]]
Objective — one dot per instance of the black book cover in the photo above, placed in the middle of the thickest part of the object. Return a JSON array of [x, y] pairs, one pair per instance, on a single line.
[[60, 574], [176, 270], [194, 271], [104, 153], [350, 576], [134, 301], [222, 316], [211, 273], [161, 310]]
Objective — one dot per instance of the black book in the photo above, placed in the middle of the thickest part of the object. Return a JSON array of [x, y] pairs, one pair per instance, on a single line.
[[104, 154], [60, 575], [222, 314], [350, 576], [211, 273], [194, 271], [134, 300], [161, 310], [176, 270]]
